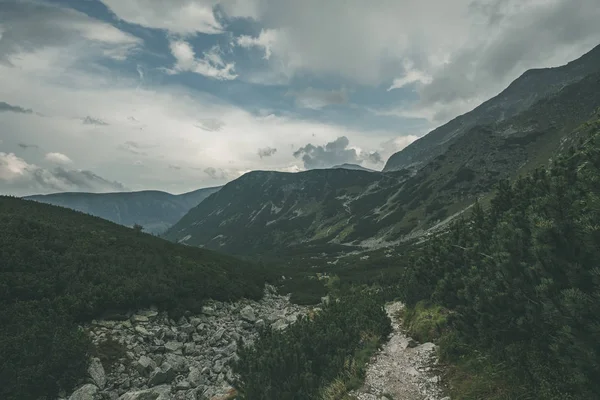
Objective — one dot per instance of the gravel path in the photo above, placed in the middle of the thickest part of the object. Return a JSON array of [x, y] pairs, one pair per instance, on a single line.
[[398, 372]]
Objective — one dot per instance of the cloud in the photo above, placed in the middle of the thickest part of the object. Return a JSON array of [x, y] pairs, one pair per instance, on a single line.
[[26, 146], [134, 148], [334, 153], [210, 64], [318, 98], [16, 109], [93, 121], [210, 124], [58, 158], [18, 176], [176, 16], [34, 26], [216, 173], [266, 152], [175, 167], [410, 75], [264, 41]]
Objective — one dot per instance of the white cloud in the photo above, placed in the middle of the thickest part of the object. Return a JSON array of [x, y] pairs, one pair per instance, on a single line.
[[264, 41], [30, 25], [411, 75], [17, 176], [210, 64], [177, 16], [58, 158], [318, 98]]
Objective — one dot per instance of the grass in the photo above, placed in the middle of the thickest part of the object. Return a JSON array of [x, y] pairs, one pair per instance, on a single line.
[[354, 371], [425, 322], [470, 374]]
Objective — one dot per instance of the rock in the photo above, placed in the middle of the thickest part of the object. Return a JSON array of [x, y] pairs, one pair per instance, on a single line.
[[195, 321], [137, 318], [247, 314], [207, 310], [164, 374], [86, 392], [292, 318], [229, 350], [183, 385], [141, 330], [174, 347], [156, 393], [259, 324], [179, 363], [96, 372], [411, 344], [195, 377], [145, 365], [325, 300], [434, 379], [189, 349], [279, 325], [188, 328]]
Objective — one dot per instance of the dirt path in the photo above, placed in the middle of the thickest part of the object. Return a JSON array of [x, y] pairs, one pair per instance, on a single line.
[[398, 372]]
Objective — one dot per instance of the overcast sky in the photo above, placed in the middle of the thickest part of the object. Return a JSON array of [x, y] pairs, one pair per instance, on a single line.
[[105, 95]]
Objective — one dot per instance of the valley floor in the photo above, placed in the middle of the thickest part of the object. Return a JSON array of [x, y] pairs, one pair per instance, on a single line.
[[401, 370]]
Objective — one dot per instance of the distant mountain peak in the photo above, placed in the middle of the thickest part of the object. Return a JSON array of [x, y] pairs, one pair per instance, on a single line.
[[353, 167]]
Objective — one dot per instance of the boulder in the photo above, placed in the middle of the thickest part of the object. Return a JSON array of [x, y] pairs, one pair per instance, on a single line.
[[247, 314], [195, 377], [96, 372], [174, 347], [156, 393], [179, 363], [164, 374], [279, 325], [145, 365], [86, 392]]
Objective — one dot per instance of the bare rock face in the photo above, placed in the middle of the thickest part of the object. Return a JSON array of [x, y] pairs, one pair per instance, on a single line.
[[185, 359]]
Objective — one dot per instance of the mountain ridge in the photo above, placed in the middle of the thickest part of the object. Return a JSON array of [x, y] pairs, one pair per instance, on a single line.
[[356, 208], [518, 96], [155, 210]]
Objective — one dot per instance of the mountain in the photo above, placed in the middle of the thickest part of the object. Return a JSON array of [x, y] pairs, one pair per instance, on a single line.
[[523, 93], [154, 210], [353, 166], [269, 212], [60, 268]]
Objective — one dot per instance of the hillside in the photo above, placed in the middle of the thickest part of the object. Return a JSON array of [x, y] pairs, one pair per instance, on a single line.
[[154, 210], [266, 212], [523, 93], [353, 166], [519, 284], [60, 267]]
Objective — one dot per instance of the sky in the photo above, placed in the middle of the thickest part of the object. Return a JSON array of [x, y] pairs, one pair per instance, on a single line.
[[113, 95]]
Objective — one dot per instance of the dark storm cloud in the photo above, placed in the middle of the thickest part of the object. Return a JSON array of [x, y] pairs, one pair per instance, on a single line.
[[93, 121], [266, 152], [5, 107]]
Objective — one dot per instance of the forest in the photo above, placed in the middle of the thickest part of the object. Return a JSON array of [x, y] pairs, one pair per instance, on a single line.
[[520, 279], [61, 268]]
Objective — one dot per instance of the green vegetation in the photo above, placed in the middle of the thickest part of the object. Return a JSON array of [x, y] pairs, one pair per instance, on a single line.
[[318, 358], [425, 322], [522, 285], [60, 268]]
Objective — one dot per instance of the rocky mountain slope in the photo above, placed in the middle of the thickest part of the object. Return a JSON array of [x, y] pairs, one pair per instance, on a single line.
[[270, 212], [154, 210], [523, 93], [154, 356]]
